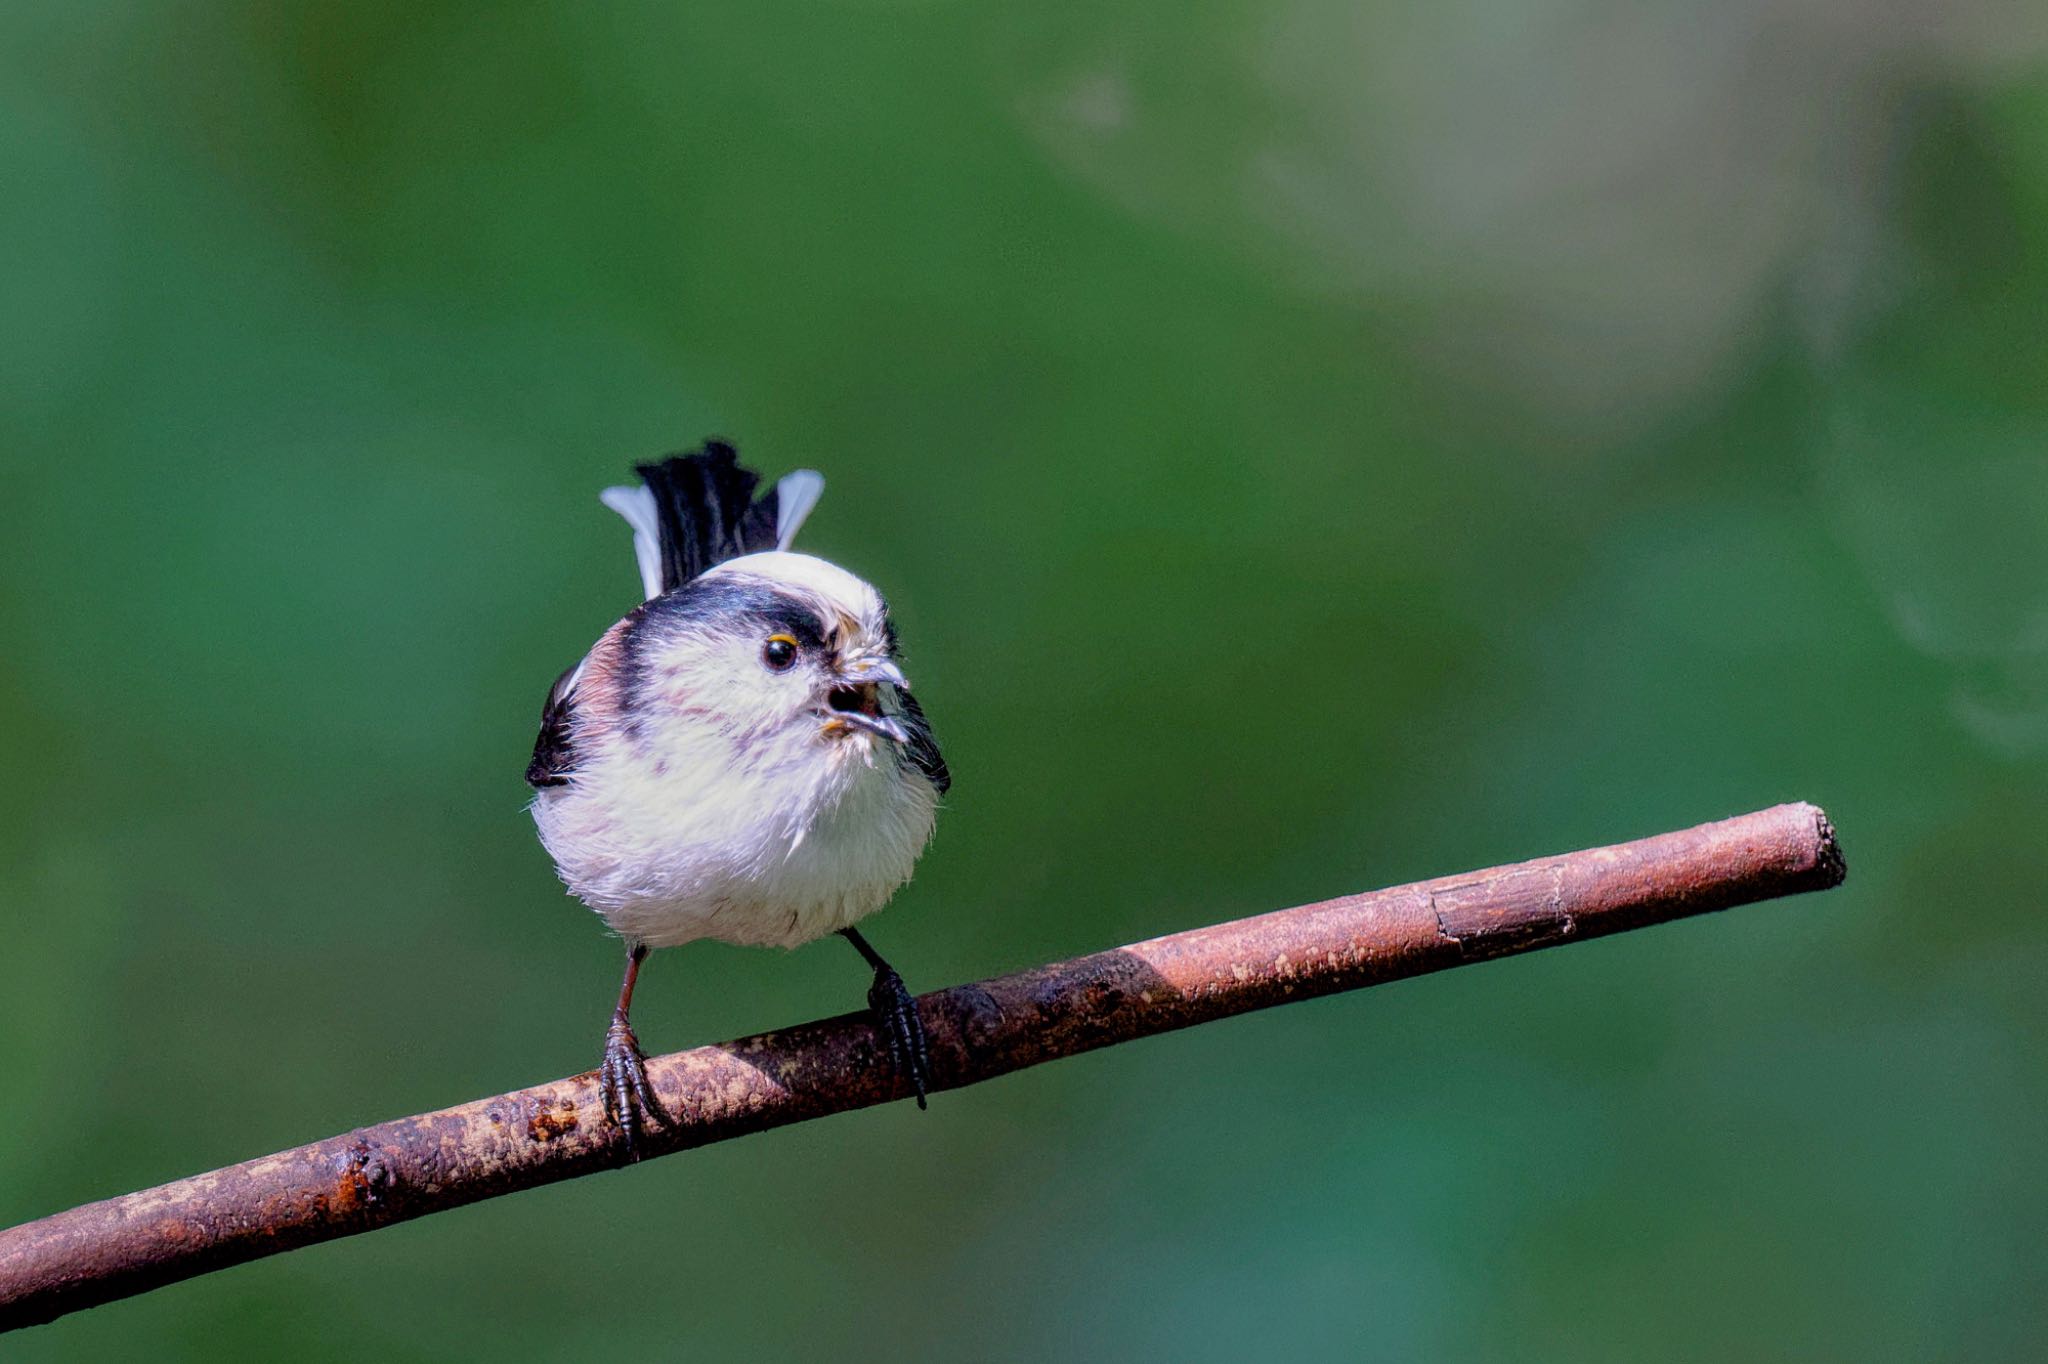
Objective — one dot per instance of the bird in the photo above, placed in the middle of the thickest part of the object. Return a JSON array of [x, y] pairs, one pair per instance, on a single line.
[[740, 757]]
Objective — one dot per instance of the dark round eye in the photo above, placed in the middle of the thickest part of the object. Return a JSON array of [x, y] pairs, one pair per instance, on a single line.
[[779, 653]]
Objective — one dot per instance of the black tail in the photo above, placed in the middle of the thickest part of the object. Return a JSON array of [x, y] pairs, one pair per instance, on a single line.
[[705, 506]]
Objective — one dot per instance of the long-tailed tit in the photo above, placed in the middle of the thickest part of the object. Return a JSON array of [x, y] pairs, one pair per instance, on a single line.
[[740, 758]]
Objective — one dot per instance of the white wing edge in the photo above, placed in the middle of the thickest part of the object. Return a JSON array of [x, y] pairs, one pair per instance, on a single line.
[[637, 506], [795, 495]]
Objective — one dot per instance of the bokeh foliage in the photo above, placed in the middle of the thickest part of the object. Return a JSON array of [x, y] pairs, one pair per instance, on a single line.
[[1307, 446]]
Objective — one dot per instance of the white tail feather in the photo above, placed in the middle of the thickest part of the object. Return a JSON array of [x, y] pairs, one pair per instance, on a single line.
[[637, 506], [795, 495]]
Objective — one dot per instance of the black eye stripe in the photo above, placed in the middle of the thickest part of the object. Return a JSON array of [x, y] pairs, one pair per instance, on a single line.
[[744, 606]]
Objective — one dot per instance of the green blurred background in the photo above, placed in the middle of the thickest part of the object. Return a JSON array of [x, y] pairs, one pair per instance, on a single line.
[[1308, 446]]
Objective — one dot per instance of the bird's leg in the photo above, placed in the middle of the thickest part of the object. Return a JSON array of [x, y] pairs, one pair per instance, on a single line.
[[895, 1015], [622, 1079]]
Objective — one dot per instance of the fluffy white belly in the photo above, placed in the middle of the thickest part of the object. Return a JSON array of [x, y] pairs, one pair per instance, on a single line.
[[772, 858]]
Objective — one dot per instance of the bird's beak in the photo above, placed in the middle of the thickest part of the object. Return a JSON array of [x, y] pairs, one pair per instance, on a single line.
[[857, 701], [888, 726], [878, 670]]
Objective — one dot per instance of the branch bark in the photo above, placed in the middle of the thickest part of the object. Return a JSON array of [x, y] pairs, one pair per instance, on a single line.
[[432, 1162]]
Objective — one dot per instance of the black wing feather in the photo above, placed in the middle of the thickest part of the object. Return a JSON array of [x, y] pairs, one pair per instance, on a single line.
[[923, 748], [554, 752]]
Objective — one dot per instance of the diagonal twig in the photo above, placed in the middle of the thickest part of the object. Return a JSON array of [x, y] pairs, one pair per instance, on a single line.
[[431, 1162]]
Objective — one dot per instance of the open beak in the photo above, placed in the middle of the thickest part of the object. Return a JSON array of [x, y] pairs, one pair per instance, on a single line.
[[857, 701]]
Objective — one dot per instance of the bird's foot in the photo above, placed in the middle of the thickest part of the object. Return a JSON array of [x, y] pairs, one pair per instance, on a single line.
[[622, 1081], [895, 1017]]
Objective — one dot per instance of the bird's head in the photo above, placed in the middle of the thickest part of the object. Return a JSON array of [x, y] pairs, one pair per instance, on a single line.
[[779, 647]]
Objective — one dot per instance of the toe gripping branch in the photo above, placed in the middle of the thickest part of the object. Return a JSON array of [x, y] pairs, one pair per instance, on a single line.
[[622, 1080], [896, 1019], [622, 1077], [895, 1016]]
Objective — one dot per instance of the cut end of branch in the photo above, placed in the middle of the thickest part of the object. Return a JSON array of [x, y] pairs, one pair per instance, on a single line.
[[1830, 867]]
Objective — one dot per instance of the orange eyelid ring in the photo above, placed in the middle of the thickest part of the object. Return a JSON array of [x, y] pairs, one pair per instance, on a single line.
[[779, 653], [790, 640]]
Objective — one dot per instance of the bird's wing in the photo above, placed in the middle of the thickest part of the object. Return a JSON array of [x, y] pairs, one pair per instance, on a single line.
[[922, 747], [554, 752]]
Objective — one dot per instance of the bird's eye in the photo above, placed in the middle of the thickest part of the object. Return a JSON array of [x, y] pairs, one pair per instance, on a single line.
[[779, 653]]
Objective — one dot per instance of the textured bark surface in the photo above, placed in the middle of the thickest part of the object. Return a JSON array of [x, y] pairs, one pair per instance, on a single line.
[[434, 1161]]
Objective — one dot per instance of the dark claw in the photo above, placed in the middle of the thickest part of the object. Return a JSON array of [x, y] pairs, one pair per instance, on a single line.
[[902, 1030], [622, 1081]]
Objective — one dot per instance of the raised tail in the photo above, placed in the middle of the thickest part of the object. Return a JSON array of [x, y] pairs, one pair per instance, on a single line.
[[697, 510]]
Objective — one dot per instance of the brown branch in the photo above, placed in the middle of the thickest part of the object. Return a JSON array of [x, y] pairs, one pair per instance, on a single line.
[[435, 1161]]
